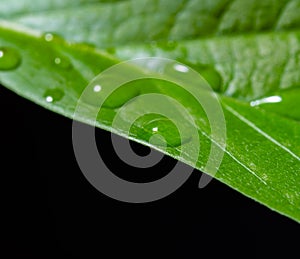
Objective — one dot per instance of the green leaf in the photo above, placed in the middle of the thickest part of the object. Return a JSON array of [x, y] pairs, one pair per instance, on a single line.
[[249, 52]]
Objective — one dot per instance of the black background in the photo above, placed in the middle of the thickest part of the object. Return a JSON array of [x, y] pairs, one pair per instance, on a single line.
[[51, 211]]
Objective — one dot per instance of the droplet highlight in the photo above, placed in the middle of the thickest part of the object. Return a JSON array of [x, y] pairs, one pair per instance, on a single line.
[[9, 58], [267, 100], [53, 95], [97, 88], [181, 68]]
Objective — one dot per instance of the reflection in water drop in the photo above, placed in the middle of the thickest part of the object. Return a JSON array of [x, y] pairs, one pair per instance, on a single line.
[[271, 99], [181, 68], [53, 95], [97, 88], [9, 58], [49, 99]]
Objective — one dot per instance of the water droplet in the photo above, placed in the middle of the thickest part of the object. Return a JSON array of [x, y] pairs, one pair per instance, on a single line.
[[158, 130], [209, 73], [53, 95], [266, 100], [9, 58], [63, 62], [52, 37], [283, 102], [99, 94], [48, 37]]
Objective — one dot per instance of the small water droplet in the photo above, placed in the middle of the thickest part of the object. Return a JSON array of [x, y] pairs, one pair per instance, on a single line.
[[266, 100], [62, 62], [53, 95], [9, 58], [51, 37], [48, 37]]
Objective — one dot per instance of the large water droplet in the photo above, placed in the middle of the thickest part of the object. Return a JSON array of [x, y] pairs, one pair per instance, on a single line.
[[53, 95], [158, 130], [209, 73], [99, 94], [9, 58]]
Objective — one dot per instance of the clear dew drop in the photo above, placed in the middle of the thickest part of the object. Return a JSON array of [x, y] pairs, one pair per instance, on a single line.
[[51, 37], [9, 58], [48, 37], [208, 72], [53, 95], [158, 130], [99, 94]]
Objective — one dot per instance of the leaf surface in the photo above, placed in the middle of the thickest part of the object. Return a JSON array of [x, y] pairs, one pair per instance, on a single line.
[[249, 52]]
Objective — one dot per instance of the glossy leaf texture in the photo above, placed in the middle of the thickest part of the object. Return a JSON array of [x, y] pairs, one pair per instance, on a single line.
[[248, 51]]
